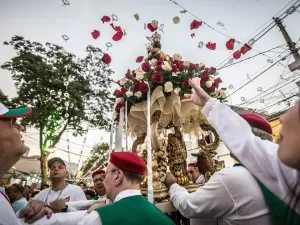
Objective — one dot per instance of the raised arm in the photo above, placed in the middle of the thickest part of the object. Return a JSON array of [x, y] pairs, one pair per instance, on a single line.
[[258, 156]]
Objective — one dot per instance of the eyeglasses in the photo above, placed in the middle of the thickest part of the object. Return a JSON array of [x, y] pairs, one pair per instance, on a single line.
[[113, 170]]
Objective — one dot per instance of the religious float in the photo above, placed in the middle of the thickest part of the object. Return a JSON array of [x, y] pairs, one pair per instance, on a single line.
[[148, 108]]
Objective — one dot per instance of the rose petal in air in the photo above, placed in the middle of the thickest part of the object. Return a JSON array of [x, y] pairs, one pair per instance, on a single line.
[[96, 34], [195, 24], [151, 27], [105, 19]]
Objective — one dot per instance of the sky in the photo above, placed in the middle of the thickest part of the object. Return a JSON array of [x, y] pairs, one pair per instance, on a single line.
[[47, 20]]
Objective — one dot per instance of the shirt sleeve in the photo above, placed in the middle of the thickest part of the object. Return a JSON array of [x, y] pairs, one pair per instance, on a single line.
[[80, 196], [92, 218], [258, 156], [210, 201]]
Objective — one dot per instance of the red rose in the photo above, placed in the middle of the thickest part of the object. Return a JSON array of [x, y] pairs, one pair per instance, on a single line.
[[177, 62], [186, 83], [202, 83], [174, 68], [181, 67], [192, 67], [157, 78], [118, 83], [123, 90], [202, 67], [128, 75], [213, 70], [146, 67], [217, 82], [159, 62], [205, 78], [158, 68], [118, 93], [133, 73], [142, 87], [119, 106], [106, 59], [204, 73]]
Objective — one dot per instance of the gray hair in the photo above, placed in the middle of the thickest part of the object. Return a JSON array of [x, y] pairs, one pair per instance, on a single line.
[[262, 134]]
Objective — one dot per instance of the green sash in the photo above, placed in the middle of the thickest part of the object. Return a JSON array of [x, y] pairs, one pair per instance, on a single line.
[[96, 198], [281, 213], [134, 210]]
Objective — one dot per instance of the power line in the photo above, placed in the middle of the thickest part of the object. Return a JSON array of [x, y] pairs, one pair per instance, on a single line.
[[60, 149], [267, 94], [226, 59], [250, 57], [258, 75], [202, 21]]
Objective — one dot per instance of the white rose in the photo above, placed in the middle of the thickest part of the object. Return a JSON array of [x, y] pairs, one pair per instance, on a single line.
[[166, 66], [208, 83], [201, 65], [138, 94], [129, 94], [186, 64], [153, 62], [119, 100], [139, 74], [177, 57], [168, 87], [177, 90], [123, 81], [174, 74]]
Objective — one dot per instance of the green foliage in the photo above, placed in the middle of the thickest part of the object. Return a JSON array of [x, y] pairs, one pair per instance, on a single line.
[[98, 158], [40, 73]]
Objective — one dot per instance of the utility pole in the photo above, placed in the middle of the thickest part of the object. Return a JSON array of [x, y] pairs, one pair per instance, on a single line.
[[292, 46]]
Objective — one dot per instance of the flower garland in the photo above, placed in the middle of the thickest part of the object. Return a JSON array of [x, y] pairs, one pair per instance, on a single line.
[[172, 74]]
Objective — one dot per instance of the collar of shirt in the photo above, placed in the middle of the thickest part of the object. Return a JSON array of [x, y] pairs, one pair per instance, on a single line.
[[127, 193], [200, 179]]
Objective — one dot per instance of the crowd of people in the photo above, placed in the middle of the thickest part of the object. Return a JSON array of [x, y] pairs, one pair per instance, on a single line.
[[263, 188]]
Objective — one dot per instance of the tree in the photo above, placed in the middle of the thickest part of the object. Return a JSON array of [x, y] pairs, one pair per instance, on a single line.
[[98, 158], [65, 92]]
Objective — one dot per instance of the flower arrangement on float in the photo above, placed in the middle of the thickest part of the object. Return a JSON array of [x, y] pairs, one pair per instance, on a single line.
[[172, 74]]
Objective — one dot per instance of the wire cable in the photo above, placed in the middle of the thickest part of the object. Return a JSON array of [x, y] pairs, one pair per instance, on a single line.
[[258, 75]]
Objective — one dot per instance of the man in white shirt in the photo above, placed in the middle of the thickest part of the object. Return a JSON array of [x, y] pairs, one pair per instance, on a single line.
[[232, 195], [60, 192], [11, 149], [193, 170]]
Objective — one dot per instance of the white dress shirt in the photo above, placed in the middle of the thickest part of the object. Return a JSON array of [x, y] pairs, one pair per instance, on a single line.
[[7, 214], [232, 195], [258, 156], [94, 217]]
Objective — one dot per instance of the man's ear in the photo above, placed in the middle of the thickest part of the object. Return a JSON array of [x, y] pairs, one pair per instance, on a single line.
[[119, 177]]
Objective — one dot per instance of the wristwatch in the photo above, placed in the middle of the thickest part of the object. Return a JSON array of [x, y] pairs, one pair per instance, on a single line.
[[65, 209]]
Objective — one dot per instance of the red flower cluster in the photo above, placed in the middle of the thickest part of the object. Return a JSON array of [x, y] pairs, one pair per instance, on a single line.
[[157, 78], [141, 86], [119, 93], [146, 67]]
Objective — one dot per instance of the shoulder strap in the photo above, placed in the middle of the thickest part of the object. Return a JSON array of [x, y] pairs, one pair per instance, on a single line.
[[280, 212]]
